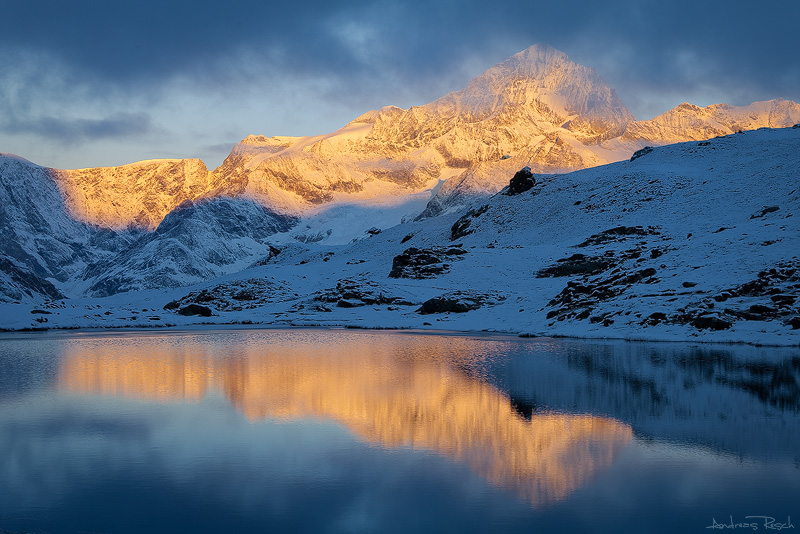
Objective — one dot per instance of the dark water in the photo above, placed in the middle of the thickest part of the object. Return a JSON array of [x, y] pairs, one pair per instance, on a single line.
[[347, 431]]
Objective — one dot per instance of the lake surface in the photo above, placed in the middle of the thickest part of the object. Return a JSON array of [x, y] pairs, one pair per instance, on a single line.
[[354, 431]]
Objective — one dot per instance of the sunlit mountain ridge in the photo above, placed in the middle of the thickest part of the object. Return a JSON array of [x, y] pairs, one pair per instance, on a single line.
[[538, 108]]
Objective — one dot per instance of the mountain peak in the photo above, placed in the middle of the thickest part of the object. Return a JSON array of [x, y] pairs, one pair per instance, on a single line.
[[536, 59], [544, 80]]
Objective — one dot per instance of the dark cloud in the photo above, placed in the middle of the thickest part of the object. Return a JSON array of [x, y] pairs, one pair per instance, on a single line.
[[141, 43], [72, 131]]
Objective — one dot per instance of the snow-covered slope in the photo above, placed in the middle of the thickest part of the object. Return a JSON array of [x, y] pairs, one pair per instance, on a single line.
[[41, 243], [696, 240], [195, 242]]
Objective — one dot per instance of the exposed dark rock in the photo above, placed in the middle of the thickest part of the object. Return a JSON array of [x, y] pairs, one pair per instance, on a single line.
[[617, 233], [575, 265], [710, 322], [352, 294], [406, 238], [195, 309], [443, 305], [425, 263], [26, 280], [764, 211], [205, 296], [457, 302], [237, 295], [783, 300], [689, 284], [763, 310], [577, 297], [462, 226], [273, 252], [655, 318], [769, 297], [641, 152], [350, 303], [522, 181], [740, 314], [244, 294]]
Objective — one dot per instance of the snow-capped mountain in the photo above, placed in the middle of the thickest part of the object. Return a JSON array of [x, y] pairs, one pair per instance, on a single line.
[[537, 108], [692, 240], [392, 213]]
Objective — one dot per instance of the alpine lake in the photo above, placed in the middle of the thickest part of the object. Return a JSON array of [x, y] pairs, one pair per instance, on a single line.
[[336, 430]]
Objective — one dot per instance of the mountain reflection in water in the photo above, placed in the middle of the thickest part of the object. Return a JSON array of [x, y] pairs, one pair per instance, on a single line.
[[394, 391]]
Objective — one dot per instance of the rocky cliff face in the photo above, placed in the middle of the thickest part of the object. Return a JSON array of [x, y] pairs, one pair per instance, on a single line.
[[140, 194], [535, 92], [39, 239]]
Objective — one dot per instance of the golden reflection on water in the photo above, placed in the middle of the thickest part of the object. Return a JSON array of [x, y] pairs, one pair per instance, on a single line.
[[388, 390]]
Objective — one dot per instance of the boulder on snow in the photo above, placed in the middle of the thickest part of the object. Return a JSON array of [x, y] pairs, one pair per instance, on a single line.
[[522, 181], [458, 302], [577, 264], [425, 263], [764, 211], [444, 305]]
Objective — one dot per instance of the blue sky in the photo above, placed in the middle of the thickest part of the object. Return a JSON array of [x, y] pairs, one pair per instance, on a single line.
[[94, 83]]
